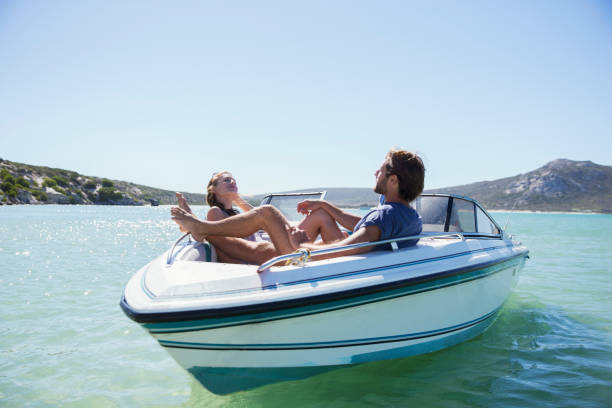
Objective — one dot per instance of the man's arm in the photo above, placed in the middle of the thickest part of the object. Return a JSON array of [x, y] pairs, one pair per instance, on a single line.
[[365, 234], [347, 220]]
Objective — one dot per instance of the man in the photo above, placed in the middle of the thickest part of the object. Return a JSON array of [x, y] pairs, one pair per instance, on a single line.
[[400, 179]]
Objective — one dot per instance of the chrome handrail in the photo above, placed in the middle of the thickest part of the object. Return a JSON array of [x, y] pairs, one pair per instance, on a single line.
[[169, 259], [300, 253]]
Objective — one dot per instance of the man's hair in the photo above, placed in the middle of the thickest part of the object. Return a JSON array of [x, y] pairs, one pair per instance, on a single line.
[[410, 171]]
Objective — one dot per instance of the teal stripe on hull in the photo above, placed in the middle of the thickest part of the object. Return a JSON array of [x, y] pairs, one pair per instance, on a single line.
[[226, 380], [427, 347], [210, 323], [329, 344], [223, 381], [151, 295]]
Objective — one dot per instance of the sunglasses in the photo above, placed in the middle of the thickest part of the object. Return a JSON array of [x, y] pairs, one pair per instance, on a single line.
[[227, 179]]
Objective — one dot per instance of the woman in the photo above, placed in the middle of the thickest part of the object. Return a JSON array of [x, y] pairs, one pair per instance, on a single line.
[[222, 194]]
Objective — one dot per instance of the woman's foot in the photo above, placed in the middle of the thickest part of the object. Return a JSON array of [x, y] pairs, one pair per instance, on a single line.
[[188, 222], [182, 203]]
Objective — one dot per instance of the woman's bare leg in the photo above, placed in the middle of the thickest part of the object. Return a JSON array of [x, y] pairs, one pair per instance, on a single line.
[[266, 217], [320, 222], [226, 258]]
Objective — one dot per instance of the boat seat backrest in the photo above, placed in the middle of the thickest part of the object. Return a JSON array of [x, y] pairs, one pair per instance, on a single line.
[[197, 251], [440, 228], [433, 227]]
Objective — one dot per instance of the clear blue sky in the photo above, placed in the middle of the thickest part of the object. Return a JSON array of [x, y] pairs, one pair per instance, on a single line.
[[294, 95]]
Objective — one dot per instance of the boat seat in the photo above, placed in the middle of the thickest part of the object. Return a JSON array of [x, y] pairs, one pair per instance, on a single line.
[[440, 228], [197, 251]]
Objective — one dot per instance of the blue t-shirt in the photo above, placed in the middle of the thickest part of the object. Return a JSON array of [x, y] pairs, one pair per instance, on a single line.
[[394, 220]]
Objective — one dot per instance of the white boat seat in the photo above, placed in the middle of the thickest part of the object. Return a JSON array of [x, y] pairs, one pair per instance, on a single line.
[[198, 251], [440, 228]]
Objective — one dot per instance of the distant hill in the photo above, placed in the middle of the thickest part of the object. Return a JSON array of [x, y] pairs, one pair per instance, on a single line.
[[27, 184], [561, 185]]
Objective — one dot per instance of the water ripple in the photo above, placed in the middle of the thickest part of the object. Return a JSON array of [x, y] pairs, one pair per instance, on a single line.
[[64, 340]]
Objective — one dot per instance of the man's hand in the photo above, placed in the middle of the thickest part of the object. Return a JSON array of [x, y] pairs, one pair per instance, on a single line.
[[307, 206], [297, 237]]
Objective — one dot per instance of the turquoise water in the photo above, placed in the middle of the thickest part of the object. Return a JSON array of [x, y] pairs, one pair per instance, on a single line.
[[64, 340]]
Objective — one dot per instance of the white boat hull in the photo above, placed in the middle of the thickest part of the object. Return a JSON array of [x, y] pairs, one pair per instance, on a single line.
[[223, 321], [387, 328]]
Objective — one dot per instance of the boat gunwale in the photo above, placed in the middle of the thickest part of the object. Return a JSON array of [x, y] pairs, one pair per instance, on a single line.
[[317, 279], [257, 308]]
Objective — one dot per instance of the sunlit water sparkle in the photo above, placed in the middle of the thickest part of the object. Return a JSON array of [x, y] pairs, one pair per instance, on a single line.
[[64, 340]]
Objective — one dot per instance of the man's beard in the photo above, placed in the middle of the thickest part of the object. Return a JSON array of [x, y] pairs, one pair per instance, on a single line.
[[379, 187]]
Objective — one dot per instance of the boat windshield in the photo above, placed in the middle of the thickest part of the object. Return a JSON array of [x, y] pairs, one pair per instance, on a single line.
[[453, 214], [287, 203], [433, 212]]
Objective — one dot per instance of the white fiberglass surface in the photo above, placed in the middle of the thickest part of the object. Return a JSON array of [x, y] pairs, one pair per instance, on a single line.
[[189, 285]]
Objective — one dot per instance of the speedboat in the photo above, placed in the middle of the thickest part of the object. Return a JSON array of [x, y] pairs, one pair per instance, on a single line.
[[237, 326]]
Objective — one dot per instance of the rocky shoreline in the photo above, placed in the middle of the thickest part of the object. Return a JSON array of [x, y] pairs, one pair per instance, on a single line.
[[559, 186], [27, 184]]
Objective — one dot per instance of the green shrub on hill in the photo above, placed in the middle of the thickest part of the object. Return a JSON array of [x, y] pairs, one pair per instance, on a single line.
[[4, 173], [40, 195], [60, 190], [90, 185], [61, 181], [21, 181], [107, 183], [106, 194], [9, 179], [9, 189], [49, 182]]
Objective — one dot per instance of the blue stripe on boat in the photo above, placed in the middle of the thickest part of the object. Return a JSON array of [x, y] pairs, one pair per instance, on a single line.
[[312, 307], [330, 344], [275, 286], [225, 380]]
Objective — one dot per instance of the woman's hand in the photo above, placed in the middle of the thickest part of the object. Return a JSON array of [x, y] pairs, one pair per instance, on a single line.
[[241, 203]]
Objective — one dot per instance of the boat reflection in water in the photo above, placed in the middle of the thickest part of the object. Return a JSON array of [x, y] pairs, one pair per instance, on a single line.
[[236, 327]]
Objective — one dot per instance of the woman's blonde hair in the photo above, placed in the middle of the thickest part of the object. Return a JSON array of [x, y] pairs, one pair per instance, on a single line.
[[211, 198]]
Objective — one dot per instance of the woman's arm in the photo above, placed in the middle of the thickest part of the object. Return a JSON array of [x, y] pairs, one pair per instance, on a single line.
[[241, 202]]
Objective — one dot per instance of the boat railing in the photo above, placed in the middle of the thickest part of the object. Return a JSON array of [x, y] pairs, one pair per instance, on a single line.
[[169, 259], [301, 256]]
